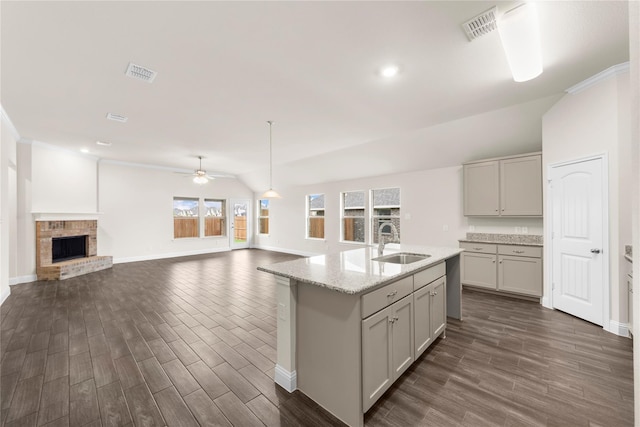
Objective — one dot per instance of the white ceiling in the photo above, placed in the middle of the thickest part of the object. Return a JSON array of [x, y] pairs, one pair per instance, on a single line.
[[225, 68]]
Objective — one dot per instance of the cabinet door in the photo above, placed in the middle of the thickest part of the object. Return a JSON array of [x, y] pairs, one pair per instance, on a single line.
[[402, 336], [377, 373], [438, 307], [422, 322], [520, 274], [479, 270], [481, 194], [521, 186]]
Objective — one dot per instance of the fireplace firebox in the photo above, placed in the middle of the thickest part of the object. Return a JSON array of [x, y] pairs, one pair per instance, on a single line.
[[68, 247]]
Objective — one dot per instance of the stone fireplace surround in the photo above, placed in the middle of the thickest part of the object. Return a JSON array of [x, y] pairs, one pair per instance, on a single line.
[[47, 230]]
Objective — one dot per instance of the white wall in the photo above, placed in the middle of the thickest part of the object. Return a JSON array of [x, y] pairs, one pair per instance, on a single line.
[[634, 60], [431, 200], [136, 212], [590, 122], [62, 181], [8, 222]]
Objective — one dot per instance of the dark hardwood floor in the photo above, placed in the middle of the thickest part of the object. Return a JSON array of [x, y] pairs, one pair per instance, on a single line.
[[191, 341]]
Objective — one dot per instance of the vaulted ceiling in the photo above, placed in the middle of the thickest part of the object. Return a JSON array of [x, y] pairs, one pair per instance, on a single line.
[[225, 68]]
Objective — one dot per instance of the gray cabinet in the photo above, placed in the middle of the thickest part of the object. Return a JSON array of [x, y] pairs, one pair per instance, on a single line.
[[508, 186], [479, 269], [506, 268], [481, 194], [399, 321], [387, 348], [430, 307]]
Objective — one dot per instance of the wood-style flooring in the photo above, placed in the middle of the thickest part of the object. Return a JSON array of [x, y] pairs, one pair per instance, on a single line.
[[191, 341]]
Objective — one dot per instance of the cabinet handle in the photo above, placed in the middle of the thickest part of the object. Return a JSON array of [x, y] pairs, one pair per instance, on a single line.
[[433, 293], [392, 294], [500, 261], [518, 252], [395, 318], [477, 249], [391, 320], [494, 261], [502, 209]]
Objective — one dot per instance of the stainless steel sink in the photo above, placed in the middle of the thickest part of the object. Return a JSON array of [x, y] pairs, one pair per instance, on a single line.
[[402, 258]]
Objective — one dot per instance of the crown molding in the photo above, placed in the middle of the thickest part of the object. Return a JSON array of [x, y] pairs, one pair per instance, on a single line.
[[595, 79]]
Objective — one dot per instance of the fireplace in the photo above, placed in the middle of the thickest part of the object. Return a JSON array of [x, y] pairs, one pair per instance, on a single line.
[[69, 247]]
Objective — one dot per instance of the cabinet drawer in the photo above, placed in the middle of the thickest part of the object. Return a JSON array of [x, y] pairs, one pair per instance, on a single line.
[[517, 250], [485, 248], [388, 294], [424, 277]]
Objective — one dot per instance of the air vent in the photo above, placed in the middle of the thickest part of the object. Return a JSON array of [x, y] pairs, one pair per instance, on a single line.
[[481, 24], [117, 117], [141, 73]]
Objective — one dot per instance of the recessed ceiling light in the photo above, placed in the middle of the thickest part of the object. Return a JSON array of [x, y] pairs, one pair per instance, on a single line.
[[104, 143], [389, 70], [117, 117], [84, 150]]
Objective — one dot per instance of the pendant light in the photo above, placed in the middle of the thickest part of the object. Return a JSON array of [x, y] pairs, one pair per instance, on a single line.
[[271, 193]]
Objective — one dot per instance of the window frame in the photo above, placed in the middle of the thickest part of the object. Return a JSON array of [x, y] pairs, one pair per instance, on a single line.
[[308, 216], [343, 216], [374, 219], [263, 217], [224, 216], [197, 217]]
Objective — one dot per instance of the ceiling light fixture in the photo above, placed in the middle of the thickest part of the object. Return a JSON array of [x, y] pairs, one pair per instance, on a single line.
[[390, 71], [270, 193], [103, 143], [84, 150], [520, 34], [200, 175]]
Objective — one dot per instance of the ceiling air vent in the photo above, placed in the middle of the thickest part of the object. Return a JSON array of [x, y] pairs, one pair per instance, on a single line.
[[141, 73], [117, 117], [481, 24]]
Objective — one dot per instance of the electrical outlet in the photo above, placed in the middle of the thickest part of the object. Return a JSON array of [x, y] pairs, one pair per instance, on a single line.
[[407, 216], [525, 230], [518, 230], [445, 227], [472, 228]]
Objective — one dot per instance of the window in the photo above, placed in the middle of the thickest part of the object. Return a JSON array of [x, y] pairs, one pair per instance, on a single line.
[[263, 216], [315, 216], [353, 218], [385, 207], [186, 217], [214, 217]]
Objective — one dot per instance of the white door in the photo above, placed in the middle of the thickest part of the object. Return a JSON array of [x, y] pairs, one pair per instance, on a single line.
[[579, 258], [240, 223]]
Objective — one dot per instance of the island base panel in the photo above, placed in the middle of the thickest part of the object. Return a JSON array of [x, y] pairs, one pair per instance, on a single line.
[[329, 357]]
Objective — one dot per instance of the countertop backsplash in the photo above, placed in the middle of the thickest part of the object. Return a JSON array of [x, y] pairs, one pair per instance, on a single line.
[[509, 239]]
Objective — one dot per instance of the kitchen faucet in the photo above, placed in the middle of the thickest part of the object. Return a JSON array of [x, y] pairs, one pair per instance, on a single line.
[[381, 236]]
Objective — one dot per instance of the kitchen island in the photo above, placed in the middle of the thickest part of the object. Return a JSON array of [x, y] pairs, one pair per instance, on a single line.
[[349, 325]]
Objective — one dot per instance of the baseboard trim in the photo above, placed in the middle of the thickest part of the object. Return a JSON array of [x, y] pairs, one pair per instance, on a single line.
[[618, 328], [168, 255], [285, 379], [4, 295], [285, 250], [22, 279]]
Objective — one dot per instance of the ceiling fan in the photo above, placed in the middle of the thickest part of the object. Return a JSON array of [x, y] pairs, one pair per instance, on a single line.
[[200, 175]]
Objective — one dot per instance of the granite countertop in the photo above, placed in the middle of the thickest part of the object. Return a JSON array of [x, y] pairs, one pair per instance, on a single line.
[[354, 271], [504, 239]]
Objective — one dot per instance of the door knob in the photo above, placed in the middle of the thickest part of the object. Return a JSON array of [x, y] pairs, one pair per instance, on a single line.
[[595, 251]]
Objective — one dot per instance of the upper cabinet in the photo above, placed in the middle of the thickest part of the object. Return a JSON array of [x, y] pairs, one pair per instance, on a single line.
[[508, 186]]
